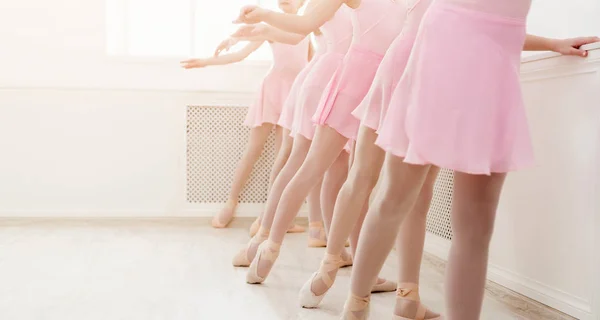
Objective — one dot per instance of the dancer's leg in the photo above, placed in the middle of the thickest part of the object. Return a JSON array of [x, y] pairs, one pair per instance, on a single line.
[[355, 192], [316, 231], [326, 147], [474, 207], [409, 246], [395, 199], [300, 149], [352, 201], [332, 183], [256, 143], [284, 145]]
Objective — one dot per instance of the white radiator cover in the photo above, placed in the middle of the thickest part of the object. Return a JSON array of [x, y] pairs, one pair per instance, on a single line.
[[216, 140]]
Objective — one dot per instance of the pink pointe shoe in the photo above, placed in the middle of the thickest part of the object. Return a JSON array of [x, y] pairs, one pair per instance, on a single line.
[[256, 225], [316, 235], [246, 255], [268, 251], [410, 291], [384, 285], [224, 217], [356, 308]]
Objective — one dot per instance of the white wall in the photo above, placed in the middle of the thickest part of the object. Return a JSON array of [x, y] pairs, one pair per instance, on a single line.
[[562, 19], [544, 241], [62, 44], [83, 134]]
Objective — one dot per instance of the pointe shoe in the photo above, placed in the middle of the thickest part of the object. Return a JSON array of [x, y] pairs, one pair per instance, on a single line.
[[410, 291], [347, 262], [385, 286], [356, 308], [224, 217], [308, 299], [267, 251], [296, 229], [314, 241], [243, 258], [254, 227]]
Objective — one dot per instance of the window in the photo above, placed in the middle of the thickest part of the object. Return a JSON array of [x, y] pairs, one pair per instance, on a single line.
[[174, 28]]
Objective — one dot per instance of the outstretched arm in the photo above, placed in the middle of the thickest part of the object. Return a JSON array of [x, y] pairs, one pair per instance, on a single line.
[[570, 47], [254, 32], [317, 13], [223, 59]]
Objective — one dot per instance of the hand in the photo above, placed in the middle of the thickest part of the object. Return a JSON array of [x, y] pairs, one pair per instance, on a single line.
[[250, 30], [193, 63], [250, 15], [225, 45], [571, 47]]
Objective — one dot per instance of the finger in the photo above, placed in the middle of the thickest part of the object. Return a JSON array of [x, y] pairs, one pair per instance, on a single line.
[[577, 52], [586, 40]]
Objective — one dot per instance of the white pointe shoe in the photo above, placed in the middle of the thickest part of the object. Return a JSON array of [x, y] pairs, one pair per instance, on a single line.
[[267, 251], [308, 299]]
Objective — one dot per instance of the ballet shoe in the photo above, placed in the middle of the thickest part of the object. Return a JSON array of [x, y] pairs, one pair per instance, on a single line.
[[243, 258], [308, 299], [385, 286], [268, 251], [316, 235], [296, 229], [410, 291], [356, 308], [224, 217], [254, 227], [346, 260], [347, 244]]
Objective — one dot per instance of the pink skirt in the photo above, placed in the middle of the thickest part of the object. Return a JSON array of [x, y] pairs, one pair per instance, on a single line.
[[310, 94], [346, 90], [459, 104], [286, 120], [272, 94], [373, 107]]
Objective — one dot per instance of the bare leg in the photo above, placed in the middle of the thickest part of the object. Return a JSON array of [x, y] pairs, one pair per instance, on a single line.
[[409, 244], [300, 149], [256, 143], [325, 149], [395, 199], [474, 207]]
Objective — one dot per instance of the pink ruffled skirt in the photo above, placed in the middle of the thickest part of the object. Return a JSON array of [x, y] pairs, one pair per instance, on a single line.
[[272, 95], [373, 107], [346, 90], [459, 104], [310, 94], [286, 120]]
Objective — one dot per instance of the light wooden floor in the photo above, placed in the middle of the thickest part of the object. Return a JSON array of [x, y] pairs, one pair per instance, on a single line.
[[176, 270]]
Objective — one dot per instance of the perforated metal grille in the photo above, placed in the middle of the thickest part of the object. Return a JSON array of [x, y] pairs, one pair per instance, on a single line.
[[438, 219], [216, 140]]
